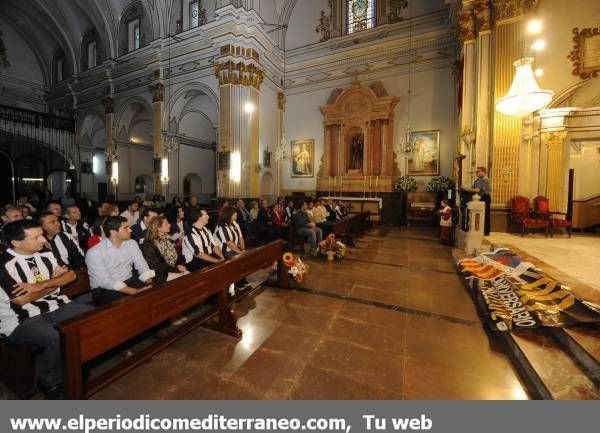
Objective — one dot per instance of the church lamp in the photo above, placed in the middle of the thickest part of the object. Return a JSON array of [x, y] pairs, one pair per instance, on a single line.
[[524, 96], [164, 173], [114, 177], [236, 167]]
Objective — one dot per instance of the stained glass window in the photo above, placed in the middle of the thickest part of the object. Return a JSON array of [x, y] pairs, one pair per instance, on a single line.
[[194, 6], [360, 15]]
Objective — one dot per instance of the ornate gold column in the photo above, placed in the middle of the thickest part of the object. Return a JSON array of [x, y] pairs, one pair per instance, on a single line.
[[483, 12], [280, 140], [467, 33], [555, 173], [158, 98], [240, 78]]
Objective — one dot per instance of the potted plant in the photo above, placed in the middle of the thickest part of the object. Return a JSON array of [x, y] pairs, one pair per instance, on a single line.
[[404, 185]]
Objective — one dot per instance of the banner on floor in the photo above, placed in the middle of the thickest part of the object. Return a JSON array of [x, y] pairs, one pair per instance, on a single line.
[[513, 294]]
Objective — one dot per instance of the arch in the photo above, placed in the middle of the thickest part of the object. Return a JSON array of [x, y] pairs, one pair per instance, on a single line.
[[188, 92], [144, 184], [89, 36], [59, 182], [192, 185], [267, 186], [135, 10], [131, 110]]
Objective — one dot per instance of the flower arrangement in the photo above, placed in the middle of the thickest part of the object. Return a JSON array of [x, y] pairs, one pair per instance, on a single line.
[[440, 184], [405, 183], [332, 248], [297, 269]]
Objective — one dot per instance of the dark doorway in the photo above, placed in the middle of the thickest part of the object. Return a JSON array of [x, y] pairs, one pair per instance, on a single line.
[[570, 195], [6, 178]]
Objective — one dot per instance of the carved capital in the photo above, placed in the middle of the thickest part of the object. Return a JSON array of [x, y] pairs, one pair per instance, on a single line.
[[506, 9], [240, 74], [483, 13], [555, 139], [109, 105], [466, 26], [158, 92], [281, 101]]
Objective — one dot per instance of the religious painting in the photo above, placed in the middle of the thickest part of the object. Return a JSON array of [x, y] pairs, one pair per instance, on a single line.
[[425, 158], [303, 158]]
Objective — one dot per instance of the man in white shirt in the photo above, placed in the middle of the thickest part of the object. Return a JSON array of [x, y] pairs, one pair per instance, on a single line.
[[78, 231], [110, 264], [321, 217], [132, 213]]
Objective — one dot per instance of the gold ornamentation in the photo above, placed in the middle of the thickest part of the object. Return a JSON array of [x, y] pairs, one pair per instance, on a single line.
[[239, 74], [281, 101], [394, 8], [158, 92], [324, 26], [578, 57], [506, 9], [483, 12], [466, 26]]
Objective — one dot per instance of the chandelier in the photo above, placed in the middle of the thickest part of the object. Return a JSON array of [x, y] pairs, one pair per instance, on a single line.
[[281, 152], [169, 142], [525, 95], [112, 153], [409, 144]]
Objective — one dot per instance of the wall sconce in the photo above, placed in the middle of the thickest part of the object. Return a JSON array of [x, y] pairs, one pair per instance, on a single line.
[[164, 175], [114, 176], [468, 137], [236, 167]]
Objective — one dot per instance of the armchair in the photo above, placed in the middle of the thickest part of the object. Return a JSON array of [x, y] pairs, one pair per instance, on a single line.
[[541, 208], [520, 215]]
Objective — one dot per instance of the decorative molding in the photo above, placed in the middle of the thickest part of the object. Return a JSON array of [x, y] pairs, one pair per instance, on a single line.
[[281, 101], [506, 9], [394, 8], [483, 13], [324, 26], [466, 26], [109, 105], [581, 38], [158, 92], [239, 74]]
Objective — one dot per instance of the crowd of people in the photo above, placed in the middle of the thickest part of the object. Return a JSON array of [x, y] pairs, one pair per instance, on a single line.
[[124, 253]]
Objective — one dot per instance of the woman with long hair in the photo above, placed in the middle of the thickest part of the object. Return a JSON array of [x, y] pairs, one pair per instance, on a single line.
[[160, 253], [97, 233], [199, 246], [229, 234], [179, 226]]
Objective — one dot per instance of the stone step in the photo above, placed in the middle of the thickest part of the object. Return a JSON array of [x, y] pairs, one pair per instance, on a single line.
[[583, 343], [548, 370]]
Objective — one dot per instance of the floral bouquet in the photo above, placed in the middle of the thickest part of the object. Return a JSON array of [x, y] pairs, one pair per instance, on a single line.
[[332, 248], [297, 269], [440, 184], [405, 183]]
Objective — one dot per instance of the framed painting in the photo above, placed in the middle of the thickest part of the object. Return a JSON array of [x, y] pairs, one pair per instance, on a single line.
[[425, 158], [303, 158]]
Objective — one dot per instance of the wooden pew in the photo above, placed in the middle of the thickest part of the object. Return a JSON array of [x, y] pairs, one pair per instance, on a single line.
[[85, 337], [351, 226]]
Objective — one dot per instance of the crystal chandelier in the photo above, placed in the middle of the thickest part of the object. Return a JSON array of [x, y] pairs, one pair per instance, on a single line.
[[282, 153], [525, 95]]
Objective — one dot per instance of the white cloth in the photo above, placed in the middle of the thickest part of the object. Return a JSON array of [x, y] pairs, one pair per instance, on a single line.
[[131, 218]]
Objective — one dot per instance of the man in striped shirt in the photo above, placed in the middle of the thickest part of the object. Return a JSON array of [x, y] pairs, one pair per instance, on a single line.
[[76, 229], [30, 299], [60, 244], [199, 246]]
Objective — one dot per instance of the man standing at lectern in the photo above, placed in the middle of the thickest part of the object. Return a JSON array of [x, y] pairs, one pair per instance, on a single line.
[[483, 187]]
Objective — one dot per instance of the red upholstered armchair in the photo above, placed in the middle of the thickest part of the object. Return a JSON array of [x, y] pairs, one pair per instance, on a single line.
[[541, 208], [520, 215]]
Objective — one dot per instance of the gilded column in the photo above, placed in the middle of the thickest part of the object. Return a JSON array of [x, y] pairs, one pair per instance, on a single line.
[[158, 98], [240, 78], [467, 33], [280, 139], [555, 173], [483, 14]]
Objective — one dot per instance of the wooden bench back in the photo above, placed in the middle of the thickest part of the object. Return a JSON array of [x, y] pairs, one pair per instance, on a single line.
[[100, 330]]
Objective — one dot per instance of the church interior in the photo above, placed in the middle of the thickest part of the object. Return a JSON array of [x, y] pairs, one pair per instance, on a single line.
[[412, 187]]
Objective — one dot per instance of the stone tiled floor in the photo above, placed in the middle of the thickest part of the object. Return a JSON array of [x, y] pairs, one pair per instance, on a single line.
[[392, 321]]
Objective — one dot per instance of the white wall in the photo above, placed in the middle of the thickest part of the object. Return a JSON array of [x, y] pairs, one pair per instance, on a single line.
[[586, 182], [431, 108]]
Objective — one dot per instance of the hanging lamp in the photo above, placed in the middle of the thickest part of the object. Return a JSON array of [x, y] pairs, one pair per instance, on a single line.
[[525, 95]]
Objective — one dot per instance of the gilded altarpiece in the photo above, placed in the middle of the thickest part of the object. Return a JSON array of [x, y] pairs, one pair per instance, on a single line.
[[359, 131]]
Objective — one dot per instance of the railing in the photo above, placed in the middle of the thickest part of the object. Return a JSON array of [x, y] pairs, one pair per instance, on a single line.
[[35, 118]]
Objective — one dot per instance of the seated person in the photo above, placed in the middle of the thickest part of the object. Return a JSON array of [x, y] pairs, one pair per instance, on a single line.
[[110, 264], [228, 234], [76, 229], [160, 253], [30, 299], [199, 246], [64, 249], [243, 216], [254, 211], [179, 226], [288, 213], [330, 208], [265, 227], [131, 213], [138, 231], [56, 208], [304, 227], [320, 214], [340, 212], [97, 234]]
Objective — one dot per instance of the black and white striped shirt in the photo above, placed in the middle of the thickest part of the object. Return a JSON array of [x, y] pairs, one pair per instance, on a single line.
[[67, 251], [197, 241], [289, 215], [78, 232], [17, 268], [339, 213], [227, 233]]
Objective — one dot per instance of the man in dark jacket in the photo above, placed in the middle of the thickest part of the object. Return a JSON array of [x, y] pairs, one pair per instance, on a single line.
[[138, 231], [62, 246]]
